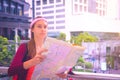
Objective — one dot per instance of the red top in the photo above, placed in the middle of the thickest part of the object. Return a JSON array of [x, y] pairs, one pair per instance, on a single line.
[[16, 68]]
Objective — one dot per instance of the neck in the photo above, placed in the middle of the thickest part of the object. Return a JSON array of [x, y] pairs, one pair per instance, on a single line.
[[39, 41]]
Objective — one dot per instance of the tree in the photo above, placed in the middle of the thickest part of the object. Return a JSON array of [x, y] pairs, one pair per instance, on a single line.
[[62, 36], [83, 37], [6, 51], [82, 62]]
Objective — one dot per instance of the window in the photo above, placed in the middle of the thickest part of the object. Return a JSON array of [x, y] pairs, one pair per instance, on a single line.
[[85, 9], [59, 5], [81, 8], [38, 8], [58, 1], [61, 21], [44, 1], [49, 17], [108, 50], [60, 10], [20, 10], [60, 16], [6, 8], [47, 12], [51, 22], [75, 7], [75, 0], [80, 1], [85, 1], [51, 1], [47, 7], [0, 5], [13, 8], [38, 13], [37, 3], [60, 27]]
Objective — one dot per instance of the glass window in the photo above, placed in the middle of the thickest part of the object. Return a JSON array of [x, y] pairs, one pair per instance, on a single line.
[[60, 10], [60, 27], [85, 1], [37, 3], [13, 8], [51, 1], [75, 0], [76, 8], [80, 7], [61, 21], [48, 12], [20, 10], [60, 16], [108, 49], [5, 4], [85, 9], [0, 5], [58, 0], [38, 8], [80, 1], [44, 1], [38, 13]]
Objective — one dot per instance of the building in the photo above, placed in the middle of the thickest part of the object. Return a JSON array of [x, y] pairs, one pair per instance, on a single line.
[[99, 52], [12, 19], [74, 16]]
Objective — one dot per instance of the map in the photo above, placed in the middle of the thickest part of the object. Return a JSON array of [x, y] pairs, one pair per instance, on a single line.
[[60, 56]]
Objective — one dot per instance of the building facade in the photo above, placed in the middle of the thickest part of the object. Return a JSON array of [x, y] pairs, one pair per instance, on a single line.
[[12, 19], [75, 16]]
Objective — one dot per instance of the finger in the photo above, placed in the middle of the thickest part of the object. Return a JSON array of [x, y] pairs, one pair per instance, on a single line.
[[40, 57], [43, 50]]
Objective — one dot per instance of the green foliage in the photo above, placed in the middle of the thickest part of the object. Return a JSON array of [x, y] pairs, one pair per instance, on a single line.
[[88, 65], [62, 36], [83, 37], [81, 60], [110, 61], [6, 51]]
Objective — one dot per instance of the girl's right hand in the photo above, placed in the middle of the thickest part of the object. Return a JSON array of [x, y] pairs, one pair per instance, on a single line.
[[39, 57], [35, 60]]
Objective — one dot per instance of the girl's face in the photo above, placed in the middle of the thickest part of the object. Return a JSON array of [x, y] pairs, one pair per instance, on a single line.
[[40, 29]]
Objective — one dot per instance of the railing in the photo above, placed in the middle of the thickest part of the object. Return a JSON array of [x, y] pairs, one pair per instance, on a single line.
[[75, 76], [3, 73], [93, 76]]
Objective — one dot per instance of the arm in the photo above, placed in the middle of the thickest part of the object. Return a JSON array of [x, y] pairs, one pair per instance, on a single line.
[[17, 64]]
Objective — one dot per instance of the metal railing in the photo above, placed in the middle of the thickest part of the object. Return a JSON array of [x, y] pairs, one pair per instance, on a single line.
[[75, 76], [93, 76]]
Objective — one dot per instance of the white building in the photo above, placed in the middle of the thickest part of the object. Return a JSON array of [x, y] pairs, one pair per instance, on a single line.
[[71, 16]]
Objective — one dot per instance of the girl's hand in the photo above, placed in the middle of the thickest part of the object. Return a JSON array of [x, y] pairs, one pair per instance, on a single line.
[[39, 57], [35, 60], [62, 75]]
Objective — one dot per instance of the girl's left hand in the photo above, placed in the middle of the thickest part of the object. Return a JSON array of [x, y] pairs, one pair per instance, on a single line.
[[62, 75]]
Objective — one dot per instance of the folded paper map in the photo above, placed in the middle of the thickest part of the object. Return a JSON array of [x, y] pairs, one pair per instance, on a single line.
[[60, 54]]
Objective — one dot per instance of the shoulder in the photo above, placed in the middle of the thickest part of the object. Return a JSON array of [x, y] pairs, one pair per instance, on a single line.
[[22, 46]]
